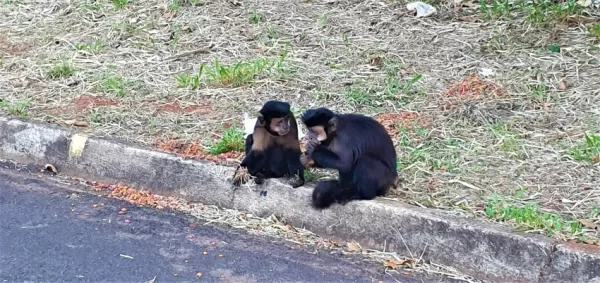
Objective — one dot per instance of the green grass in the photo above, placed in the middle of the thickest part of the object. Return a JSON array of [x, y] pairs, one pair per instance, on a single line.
[[120, 4], [256, 17], [589, 150], [92, 48], [539, 93], [510, 142], [18, 108], [538, 12], [233, 140], [115, 84], [61, 70], [530, 216], [399, 90], [555, 48], [219, 75], [595, 31], [418, 149]]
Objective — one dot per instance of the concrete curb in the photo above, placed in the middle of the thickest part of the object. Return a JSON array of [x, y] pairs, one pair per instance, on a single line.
[[484, 250]]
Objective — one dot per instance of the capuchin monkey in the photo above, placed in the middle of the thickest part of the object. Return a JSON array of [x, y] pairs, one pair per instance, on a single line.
[[358, 147], [273, 149]]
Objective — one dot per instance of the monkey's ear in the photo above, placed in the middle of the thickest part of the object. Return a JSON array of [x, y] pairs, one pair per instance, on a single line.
[[332, 125], [261, 120]]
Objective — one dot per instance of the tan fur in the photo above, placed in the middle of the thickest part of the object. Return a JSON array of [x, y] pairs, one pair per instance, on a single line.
[[263, 140], [291, 139], [320, 131]]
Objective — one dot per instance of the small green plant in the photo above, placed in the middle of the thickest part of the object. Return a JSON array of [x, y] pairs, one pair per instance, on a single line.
[[256, 17], [93, 48], [272, 33], [589, 151], [61, 70], [495, 10], [537, 12], [19, 108], [233, 140], [323, 19], [115, 84], [595, 31], [539, 92], [220, 75], [175, 5], [503, 132], [530, 217], [187, 80], [358, 95], [120, 4], [397, 90], [554, 48]]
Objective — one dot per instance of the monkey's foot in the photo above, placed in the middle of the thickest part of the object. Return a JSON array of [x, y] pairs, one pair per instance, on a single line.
[[296, 182]]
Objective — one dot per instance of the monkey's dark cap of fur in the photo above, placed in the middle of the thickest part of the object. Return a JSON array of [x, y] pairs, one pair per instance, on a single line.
[[316, 117], [275, 109]]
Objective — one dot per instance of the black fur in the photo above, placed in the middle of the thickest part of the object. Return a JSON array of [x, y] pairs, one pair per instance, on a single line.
[[281, 158], [360, 149]]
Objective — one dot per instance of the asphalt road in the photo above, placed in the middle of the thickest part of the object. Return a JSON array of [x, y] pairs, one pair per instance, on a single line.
[[52, 234]]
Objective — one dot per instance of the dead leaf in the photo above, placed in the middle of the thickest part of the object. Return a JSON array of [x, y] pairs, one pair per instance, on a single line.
[[51, 168], [394, 263], [81, 124], [588, 224], [562, 85], [468, 19], [74, 122], [354, 247]]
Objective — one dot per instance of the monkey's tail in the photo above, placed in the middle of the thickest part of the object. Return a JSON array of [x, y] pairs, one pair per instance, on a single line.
[[329, 192]]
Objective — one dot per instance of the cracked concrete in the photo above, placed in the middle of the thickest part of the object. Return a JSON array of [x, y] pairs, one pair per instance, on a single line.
[[484, 250]]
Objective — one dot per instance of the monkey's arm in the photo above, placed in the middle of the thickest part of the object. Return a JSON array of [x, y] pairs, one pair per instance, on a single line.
[[324, 158], [255, 161]]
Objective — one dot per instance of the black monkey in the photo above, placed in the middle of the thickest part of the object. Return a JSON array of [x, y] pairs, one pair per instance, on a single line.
[[358, 147], [273, 149]]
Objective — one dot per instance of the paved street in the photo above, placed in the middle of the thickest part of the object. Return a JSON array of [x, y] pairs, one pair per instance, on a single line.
[[49, 234]]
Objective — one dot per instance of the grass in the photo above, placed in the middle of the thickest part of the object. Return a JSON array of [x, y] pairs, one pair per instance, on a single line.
[[530, 216], [233, 140], [115, 84], [256, 17], [589, 150], [478, 100], [537, 12], [60, 71], [92, 48], [239, 74], [18, 108], [120, 4]]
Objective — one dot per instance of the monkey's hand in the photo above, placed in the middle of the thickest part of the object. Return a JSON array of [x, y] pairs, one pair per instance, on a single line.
[[310, 146], [306, 161]]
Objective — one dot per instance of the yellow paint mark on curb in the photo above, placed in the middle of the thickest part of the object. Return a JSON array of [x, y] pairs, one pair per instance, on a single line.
[[77, 145]]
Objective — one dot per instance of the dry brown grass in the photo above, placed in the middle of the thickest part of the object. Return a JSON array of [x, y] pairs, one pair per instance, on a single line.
[[462, 136]]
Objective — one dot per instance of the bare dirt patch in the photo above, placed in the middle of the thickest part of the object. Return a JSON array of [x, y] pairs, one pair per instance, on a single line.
[[88, 102], [493, 106]]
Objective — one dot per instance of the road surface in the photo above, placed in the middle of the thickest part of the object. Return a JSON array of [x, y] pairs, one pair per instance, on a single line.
[[51, 234]]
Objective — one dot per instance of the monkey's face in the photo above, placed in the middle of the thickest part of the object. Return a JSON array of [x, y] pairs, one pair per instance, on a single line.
[[316, 135], [280, 125]]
